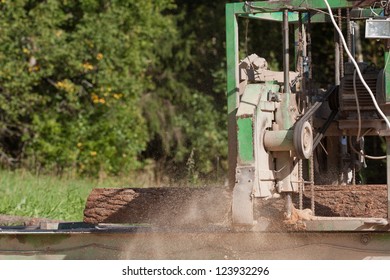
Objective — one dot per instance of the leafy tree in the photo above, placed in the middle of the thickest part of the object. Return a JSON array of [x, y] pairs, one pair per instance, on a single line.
[[190, 92], [72, 74]]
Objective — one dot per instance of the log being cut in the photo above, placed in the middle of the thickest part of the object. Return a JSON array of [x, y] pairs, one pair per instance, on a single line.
[[160, 206], [212, 206]]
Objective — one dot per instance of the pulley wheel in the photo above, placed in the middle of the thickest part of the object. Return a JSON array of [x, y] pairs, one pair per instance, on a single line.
[[303, 140]]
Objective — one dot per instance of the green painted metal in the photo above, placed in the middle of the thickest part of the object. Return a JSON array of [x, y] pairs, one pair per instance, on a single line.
[[232, 58], [316, 17], [276, 16], [253, 99], [271, 10], [235, 8], [245, 140], [232, 87], [266, 6]]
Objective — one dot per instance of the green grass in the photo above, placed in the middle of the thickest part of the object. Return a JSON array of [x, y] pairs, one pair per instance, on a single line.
[[23, 194]]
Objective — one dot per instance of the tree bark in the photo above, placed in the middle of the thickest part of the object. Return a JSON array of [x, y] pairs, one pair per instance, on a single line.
[[212, 206], [159, 206], [349, 201]]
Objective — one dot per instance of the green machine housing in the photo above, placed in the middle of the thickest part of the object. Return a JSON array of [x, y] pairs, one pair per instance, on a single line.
[[278, 121]]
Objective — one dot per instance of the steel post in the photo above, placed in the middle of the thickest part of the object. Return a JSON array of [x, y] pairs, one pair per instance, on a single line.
[[336, 58], [388, 175], [387, 70], [286, 55], [232, 87], [312, 4], [285, 122]]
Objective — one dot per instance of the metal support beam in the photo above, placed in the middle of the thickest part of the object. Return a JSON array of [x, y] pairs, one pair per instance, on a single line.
[[285, 122], [232, 87], [337, 58], [286, 55], [297, 5], [388, 175], [232, 58], [387, 94], [387, 70]]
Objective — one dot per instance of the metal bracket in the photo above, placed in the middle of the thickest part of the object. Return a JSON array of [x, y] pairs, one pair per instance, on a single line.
[[242, 206]]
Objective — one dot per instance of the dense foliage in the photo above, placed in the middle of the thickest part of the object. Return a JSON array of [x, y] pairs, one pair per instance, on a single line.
[[106, 87], [103, 86]]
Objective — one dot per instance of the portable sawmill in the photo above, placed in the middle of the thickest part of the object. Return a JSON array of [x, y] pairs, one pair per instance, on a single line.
[[293, 145], [287, 136], [295, 149]]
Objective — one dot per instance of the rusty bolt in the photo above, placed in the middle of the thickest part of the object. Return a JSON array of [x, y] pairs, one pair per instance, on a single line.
[[365, 238]]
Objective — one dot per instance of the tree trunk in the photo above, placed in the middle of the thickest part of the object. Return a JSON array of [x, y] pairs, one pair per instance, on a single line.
[[212, 206], [159, 206], [349, 201]]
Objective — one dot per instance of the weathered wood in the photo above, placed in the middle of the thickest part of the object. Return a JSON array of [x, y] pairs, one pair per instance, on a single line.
[[161, 206], [206, 206], [349, 201]]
